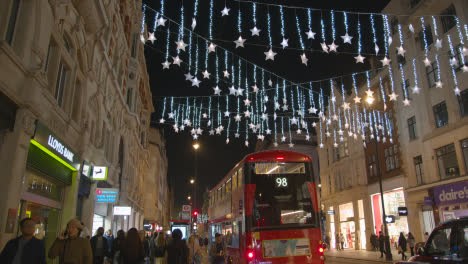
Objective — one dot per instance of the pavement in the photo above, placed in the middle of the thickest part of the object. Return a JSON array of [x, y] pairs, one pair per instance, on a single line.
[[359, 256]]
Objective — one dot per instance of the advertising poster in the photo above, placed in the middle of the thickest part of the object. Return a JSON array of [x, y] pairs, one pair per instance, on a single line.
[[286, 248]]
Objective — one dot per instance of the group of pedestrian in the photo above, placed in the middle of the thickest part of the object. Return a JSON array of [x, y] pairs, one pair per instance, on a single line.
[[402, 244], [340, 241]]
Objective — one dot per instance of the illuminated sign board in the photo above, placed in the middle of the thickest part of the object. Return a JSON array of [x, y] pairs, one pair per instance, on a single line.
[[60, 148], [402, 211], [186, 208], [390, 219], [99, 173], [107, 195], [122, 210]]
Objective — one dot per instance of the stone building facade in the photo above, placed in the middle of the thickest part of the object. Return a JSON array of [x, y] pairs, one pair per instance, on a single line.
[[75, 98]]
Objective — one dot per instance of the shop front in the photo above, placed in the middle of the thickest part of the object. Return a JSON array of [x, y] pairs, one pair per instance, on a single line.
[[347, 225], [393, 200], [451, 200], [49, 184]]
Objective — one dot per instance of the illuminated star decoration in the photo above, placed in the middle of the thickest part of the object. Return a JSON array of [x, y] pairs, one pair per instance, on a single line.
[[345, 106], [232, 90], [171, 115], [177, 60], [312, 110], [439, 84], [304, 59], [151, 37], [237, 117], [226, 74], [181, 45], [310, 34], [196, 82], [427, 62], [239, 92], [385, 61], [416, 89], [465, 68], [411, 28], [226, 114], [438, 44], [217, 91], [194, 23], [406, 102], [376, 49], [161, 22], [324, 47], [457, 91], [255, 88], [247, 114], [161, 121], [347, 38], [188, 77], [270, 55], [206, 74], [247, 102], [357, 100], [333, 47], [270, 83], [255, 31], [401, 51], [359, 58], [225, 11], [284, 43], [239, 42], [211, 47], [393, 96], [166, 64]]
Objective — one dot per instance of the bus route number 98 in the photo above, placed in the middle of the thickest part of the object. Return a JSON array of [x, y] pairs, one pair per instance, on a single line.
[[281, 182]]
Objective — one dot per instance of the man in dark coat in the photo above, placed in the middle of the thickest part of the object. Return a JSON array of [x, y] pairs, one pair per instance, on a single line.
[[177, 250], [26, 248], [381, 244], [99, 246]]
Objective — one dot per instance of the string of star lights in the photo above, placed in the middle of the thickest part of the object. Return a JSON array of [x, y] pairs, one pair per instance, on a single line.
[[359, 58], [269, 28], [161, 121], [426, 50], [346, 38], [284, 43], [195, 12], [180, 36], [460, 33], [403, 85], [393, 95], [356, 99], [416, 88], [382, 91], [453, 63], [333, 47], [401, 50], [387, 35], [142, 37], [290, 135], [324, 43], [303, 56], [310, 33], [439, 81]]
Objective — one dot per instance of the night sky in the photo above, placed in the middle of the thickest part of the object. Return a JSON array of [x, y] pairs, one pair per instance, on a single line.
[[215, 157]]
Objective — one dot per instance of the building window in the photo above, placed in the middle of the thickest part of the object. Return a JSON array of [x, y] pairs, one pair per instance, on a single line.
[[447, 161], [405, 87], [341, 151], [418, 166], [60, 84], [12, 21], [391, 158], [463, 102], [372, 166], [464, 146], [440, 114], [448, 18], [429, 39], [461, 60], [432, 73], [412, 128]]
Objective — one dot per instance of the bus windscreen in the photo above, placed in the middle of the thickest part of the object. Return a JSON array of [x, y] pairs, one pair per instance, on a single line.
[[282, 197]]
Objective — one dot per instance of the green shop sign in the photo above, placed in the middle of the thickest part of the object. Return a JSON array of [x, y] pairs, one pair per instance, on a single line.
[[55, 145]]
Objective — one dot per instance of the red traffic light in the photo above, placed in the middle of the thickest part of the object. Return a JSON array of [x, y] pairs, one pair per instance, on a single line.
[[195, 213]]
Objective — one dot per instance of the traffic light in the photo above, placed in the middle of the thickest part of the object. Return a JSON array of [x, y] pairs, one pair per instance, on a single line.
[[194, 215]]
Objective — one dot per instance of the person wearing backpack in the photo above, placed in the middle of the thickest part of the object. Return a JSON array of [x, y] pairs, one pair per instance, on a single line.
[[218, 250], [177, 250]]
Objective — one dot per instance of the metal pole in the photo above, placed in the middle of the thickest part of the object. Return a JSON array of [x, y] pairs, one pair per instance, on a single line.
[[196, 180], [388, 253]]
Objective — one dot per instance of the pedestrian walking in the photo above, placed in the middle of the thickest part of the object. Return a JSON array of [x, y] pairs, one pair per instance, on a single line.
[[411, 243], [117, 247], [145, 242], [177, 251], [26, 248], [337, 241], [160, 252], [99, 246], [218, 250], [194, 250], [342, 241], [133, 251], [402, 245], [110, 240], [381, 244], [70, 247]]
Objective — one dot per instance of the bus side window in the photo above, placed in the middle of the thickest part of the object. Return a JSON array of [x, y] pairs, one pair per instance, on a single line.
[[234, 181], [240, 176]]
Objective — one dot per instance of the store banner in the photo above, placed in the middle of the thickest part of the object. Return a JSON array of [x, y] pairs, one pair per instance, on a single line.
[[107, 195], [451, 193]]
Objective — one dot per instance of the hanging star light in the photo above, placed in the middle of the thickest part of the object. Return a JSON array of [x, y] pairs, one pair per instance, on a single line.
[[393, 96], [247, 102], [247, 114], [188, 77], [439, 84], [226, 114], [284, 43], [298, 131], [196, 82], [453, 62], [270, 83], [411, 28], [359, 58], [255, 88], [347, 38], [370, 93], [255, 31], [277, 106], [465, 68], [217, 91], [285, 107], [324, 47], [406, 102], [151, 37], [211, 132], [401, 51], [166, 65], [176, 60], [161, 22], [313, 110], [264, 116], [304, 59], [377, 49], [181, 45], [204, 115], [310, 34], [194, 23], [211, 47], [240, 42], [416, 89], [206, 74], [268, 131], [270, 55], [294, 121], [239, 91], [232, 90], [283, 139], [457, 90], [225, 11], [385, 61], [161, 121], [237, 117], [438, 44], [226, 73], [427, 62], [345, 106]]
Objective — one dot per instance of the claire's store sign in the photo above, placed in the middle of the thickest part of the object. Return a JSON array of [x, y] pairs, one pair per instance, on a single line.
[[451, 193]]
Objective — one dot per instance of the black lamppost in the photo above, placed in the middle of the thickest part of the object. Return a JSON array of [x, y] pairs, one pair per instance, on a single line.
[[193, 181]]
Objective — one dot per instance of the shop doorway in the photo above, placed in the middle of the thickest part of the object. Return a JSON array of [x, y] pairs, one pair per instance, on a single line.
[[348, 229]]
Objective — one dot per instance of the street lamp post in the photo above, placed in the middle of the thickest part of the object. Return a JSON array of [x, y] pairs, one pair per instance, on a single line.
[[388, 252], [196, 146]]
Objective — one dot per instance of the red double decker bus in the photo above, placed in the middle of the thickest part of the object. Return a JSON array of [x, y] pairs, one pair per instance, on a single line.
[[267, 211]]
